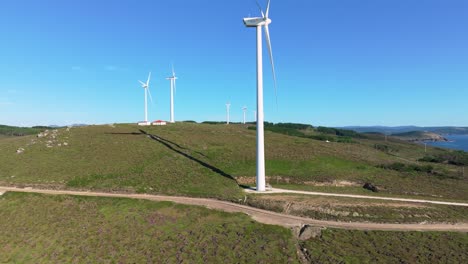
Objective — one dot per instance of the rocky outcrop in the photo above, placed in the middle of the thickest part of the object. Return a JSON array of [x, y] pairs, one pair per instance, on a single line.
[[306, 232], [370, 187]]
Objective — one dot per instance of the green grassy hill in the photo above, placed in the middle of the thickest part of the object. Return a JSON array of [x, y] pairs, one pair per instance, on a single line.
[[119, 158], [206, 160]]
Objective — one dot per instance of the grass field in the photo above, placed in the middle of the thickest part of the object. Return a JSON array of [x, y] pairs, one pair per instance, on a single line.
[[67, 229], [344, 246], [112, 159], [181, 158]]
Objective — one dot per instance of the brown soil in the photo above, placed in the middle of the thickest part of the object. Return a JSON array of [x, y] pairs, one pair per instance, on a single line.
[[320, 201]]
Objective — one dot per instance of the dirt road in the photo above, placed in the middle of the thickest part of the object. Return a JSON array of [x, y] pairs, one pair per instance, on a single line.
[[259, 215], [275, 190]]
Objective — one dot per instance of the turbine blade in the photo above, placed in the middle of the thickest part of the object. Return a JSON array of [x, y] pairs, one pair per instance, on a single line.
[[261, 10], [175, 87], [142, 83], [173, 72], [149, 77], [267, 36], [268, 9], [151, 98]]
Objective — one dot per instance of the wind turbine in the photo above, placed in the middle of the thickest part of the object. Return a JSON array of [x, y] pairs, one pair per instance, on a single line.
[[228, 106], [173, 79], [146, 87], [259, 23], [245, 110]]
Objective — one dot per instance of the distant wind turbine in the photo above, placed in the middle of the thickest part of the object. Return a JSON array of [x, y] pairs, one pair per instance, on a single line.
[[147, 91], [228, 106], [173, 79], [244, 109], [259, 23]]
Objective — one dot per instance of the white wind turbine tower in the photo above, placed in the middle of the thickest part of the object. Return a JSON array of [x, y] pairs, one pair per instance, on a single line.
[[146, 87], [259, 23], [173, 79], [245, 110], [228, 106]]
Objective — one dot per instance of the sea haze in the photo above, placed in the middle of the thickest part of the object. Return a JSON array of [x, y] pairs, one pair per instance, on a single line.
[[459, 142]]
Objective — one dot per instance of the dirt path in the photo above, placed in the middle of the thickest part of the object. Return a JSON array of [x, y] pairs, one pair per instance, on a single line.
[[275, 190], [259, 215]]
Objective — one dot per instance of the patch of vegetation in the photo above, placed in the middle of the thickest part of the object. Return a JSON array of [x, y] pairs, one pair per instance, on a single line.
[[213, 123], [346, 246], [322, 137], [401, 167], [345, 140], [281, 130], [385, 148], [410, 134], [303, 130], [459, 158], [340, 132], [296, 126], [64, 229], [20, 131], [373, 133]]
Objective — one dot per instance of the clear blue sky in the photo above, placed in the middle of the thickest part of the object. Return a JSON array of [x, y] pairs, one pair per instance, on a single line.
[[353, 62]]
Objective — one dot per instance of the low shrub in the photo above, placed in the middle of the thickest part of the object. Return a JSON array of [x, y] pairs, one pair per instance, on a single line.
[[459, 158], [401, 167]]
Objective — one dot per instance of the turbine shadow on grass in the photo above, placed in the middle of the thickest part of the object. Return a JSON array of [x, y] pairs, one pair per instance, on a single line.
[[177, 145], [166, 140], [168, 143]]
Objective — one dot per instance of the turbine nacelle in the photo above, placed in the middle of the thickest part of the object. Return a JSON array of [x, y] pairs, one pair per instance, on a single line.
[[256, 21], [146, 85], [143, 85]]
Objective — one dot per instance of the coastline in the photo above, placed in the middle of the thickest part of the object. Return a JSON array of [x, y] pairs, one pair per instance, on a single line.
[[455, 142]]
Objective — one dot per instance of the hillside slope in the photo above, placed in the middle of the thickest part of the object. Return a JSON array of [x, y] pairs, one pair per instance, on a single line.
[[206, 160], [109, 158]]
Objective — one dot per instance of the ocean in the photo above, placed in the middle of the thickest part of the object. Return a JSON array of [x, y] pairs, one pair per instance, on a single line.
[[459, 142]]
